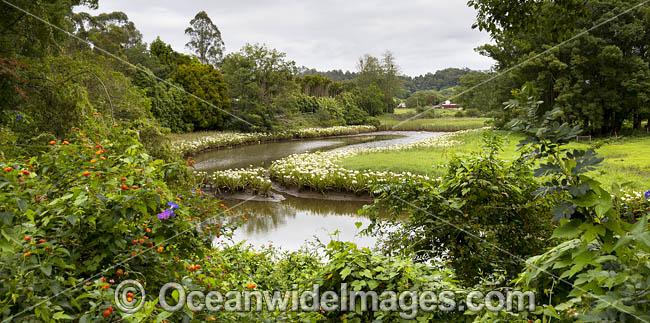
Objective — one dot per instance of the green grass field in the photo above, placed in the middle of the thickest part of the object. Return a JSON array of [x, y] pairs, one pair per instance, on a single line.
[[627, 160], [439, 124]]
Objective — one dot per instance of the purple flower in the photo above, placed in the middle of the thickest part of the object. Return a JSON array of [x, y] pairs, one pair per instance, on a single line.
[[172, 205], [19, 117], [647, 194], [165, 214]]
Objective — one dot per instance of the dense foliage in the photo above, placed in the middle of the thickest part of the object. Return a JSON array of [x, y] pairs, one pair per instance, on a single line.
[[599, 270], [599, 79], [481, 217], [440, 80]]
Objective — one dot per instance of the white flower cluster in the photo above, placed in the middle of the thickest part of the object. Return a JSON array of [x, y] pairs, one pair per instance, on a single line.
[[320, 171], [235, 180], [632, 196], [199, 141]]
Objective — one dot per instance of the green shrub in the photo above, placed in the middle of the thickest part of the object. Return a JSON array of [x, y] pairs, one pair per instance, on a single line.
[[85, 207], [482, 213]]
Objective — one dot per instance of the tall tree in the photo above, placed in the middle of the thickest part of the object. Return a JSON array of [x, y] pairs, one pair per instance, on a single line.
[[599, 80], [205, 39], [22, 34], [257, 78]]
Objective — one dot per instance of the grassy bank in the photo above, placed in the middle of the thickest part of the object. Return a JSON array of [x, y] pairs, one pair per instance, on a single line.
[[195, 142], [626, 160], [446, 124]]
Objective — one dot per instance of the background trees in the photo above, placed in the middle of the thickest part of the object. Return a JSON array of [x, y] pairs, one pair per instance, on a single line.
[[599, 80], [257, 76], [205, 108], [378, 81], [205, 39]]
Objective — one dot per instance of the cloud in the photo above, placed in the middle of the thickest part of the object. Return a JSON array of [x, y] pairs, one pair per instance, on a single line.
[[424, 35]]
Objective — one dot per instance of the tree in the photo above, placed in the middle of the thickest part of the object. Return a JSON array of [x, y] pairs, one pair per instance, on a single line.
[[599, 80], [167, 101], [22, 34], [205, 39], [206, 108], [371, 99], [381, 74], [257, 76]]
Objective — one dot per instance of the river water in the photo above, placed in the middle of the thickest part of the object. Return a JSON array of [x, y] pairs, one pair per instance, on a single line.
[[291, 223]]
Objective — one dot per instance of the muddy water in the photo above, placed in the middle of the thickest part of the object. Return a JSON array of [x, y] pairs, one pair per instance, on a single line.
[[291, 223], [265, 153], [295, 221]]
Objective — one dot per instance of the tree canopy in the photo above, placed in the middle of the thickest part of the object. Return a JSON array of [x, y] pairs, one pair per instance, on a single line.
[[205, 39]]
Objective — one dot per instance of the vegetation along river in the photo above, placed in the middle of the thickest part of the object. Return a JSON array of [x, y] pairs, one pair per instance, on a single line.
[[290, 223]]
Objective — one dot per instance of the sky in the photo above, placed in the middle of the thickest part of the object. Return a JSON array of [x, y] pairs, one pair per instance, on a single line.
[[424, 35]]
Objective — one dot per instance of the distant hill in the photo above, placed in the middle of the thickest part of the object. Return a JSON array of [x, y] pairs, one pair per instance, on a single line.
[[440, 80]]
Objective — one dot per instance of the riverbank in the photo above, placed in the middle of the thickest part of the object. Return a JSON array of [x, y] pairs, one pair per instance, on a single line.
[[301, 170], [192, 143], [443, 124], [627, 160], [322, 171]]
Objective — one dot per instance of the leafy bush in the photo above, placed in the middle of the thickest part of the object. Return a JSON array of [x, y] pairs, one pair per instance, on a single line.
[[167, 102], [599, 270], [86, 207], [481, 217], [364, 271]]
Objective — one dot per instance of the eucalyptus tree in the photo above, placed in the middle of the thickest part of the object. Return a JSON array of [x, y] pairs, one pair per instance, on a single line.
[[205, 39]]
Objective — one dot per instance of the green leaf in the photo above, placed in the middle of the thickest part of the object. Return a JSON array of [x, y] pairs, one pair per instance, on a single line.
[[62, 316], [21, 204], [47, 269], [568, 230], [345, 272]]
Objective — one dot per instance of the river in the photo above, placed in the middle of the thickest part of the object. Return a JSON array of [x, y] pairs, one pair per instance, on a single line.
[[291, 223]]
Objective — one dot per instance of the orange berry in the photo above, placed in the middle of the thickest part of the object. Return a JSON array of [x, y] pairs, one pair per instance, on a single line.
[[119, 272], [160, 249], [52, 143], [27, 238], [26, 254], [8, 169], [86, 173], [93, 161], [107, 313]]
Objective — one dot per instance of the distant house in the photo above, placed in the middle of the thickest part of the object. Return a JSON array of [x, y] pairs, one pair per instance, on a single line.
[[450, 106], [401, 105]]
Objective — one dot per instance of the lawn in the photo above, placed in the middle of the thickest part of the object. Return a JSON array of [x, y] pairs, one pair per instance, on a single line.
[[438, 124], [626, 160]]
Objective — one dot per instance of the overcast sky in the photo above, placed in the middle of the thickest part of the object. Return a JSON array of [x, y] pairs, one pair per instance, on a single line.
[[424, 35]]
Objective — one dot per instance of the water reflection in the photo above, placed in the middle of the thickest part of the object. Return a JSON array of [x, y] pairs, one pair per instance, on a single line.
[[290, 223]]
